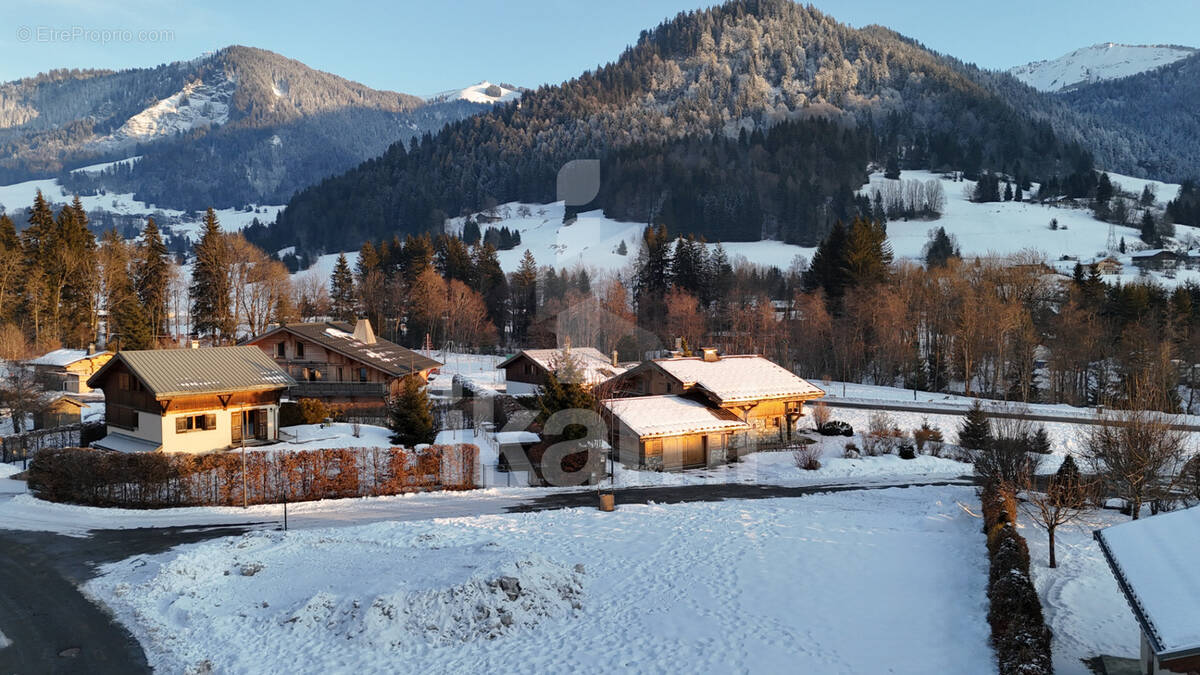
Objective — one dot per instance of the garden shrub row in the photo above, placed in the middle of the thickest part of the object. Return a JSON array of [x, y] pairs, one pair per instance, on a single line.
[[1019, 632], [156, 480]]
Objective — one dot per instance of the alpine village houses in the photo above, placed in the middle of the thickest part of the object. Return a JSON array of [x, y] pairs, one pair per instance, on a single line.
[[683, 412], [190, 400], [341, 364], [529, 369]]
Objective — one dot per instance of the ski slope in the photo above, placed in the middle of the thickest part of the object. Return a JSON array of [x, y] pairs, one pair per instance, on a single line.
[[1104, 61]]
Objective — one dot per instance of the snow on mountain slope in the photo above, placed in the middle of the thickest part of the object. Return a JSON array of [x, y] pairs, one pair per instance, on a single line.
[[197, 104], [1105, 61], [484, 92], [982, 230], [21, 195]]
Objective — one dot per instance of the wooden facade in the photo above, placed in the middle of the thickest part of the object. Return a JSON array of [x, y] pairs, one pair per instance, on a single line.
[[200, 422], [335, 375]]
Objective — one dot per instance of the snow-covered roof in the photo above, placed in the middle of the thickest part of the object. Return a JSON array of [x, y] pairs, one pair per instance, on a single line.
[[381, 354], [514, 437], [592, 363], [60, 357], [123, 443], [732, 379], [657, 416], [1154, 561]]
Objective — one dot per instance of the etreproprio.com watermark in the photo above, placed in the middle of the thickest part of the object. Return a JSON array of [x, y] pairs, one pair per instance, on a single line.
[[97, 35]]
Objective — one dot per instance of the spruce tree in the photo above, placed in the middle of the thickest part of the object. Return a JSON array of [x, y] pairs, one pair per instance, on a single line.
[[523, 287], [868, 253], [211, 287], [152, 277], [341, 291], [976, 430], [828, 267], [1040, 442], [1150, 230], [410, 416]]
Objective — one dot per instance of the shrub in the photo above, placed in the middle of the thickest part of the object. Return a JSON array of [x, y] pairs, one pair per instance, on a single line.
[[313, 411], [882, 436], [1019, 633], [155, 480], [807, 457], [851, 451], [835, 428], [907, 451], [925, 435], [820, 415]]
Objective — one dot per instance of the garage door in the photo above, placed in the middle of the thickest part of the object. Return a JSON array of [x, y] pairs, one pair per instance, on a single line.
[[683, 452]]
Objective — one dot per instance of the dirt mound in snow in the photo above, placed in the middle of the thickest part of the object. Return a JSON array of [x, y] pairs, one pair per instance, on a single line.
[[510, 595]]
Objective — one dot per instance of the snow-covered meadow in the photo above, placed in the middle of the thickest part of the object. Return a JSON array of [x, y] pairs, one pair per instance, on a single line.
[[875, 581]]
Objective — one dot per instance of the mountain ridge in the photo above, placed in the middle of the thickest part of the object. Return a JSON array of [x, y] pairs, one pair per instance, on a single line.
[[1097, 63]]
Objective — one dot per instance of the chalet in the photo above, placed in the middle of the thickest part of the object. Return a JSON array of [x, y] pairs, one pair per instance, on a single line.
[[1157, 259], [668, 432], [342, 364], [766, 396], [68, 369], [1154, 562], [1109, 265], [529, 369], [190, 400], [58, 410]]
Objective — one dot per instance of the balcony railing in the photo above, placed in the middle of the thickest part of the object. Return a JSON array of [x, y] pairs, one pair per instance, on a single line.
[[308, 389]]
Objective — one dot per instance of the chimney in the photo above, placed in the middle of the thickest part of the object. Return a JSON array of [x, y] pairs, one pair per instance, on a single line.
[[710, 354], [91, 348], [614, 359], [363, 332]]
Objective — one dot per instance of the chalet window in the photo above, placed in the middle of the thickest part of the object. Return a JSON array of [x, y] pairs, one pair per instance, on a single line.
[[299, 350], [340, 378], [124, 381], [189, 423], [362, 374], [121, 416], [281, 350]]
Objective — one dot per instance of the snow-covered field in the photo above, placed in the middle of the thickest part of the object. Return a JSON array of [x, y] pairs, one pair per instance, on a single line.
[[866, 582], [21, 195], [1082, 603]]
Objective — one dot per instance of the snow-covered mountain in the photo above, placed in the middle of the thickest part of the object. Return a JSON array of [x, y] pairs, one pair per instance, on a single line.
[[1105, 61], [484, 92]]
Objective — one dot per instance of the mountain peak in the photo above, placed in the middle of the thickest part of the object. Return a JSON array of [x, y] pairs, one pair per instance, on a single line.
[[1099, 62], [483, 92]]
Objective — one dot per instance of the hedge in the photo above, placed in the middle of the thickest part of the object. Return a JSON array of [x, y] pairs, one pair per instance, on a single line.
[[1019, 632], [156, 480]]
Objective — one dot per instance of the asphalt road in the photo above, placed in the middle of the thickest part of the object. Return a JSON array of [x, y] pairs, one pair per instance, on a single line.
[[52, 626], [934, 409]]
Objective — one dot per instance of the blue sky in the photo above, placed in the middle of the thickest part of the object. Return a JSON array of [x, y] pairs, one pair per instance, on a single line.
[[425, 47]]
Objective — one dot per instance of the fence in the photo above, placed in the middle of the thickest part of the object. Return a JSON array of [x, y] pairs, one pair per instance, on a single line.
[[25, 445], [156, 480]]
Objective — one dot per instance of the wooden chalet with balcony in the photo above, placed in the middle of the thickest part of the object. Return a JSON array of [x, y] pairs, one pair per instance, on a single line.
[[342, 364], [190, 400]]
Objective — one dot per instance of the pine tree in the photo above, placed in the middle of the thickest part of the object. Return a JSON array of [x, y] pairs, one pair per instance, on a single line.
[[892, 169], [152, 278], [828, 267], [410, 416], [940, 249], [211, 287], [341, 291], [1040, 442], [128, 325], [523, 287], [1067, 486], [868, 253], [565, 390], [976, 430], [1150, 230], [1121, 247]]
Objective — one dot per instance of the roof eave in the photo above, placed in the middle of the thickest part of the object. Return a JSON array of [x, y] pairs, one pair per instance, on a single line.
[[1139, 613]]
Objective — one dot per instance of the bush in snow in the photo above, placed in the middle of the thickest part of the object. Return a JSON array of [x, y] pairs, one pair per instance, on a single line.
[[820, 414], [807, 457], [851, 451], [882, 436], [925, 435], [907, 450], [835, 428]]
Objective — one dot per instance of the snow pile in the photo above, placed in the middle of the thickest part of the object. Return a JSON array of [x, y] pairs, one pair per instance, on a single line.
[[4, 641], [290, 597], [854, 582], [1104, 61]]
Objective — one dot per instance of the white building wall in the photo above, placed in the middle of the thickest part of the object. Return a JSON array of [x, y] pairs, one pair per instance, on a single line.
[[208, 440]]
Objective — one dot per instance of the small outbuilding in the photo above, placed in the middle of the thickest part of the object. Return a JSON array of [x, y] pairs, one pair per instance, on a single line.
[[669, 432], [190, 400], [1156, 562], [68, 370]]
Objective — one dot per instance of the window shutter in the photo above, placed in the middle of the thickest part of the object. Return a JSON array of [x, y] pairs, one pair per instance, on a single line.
[[180, 424], [210, 421]]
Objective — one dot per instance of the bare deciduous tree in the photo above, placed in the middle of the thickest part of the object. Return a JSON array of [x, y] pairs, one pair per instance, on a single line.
[[1137, 454], [1066, 497]]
